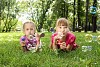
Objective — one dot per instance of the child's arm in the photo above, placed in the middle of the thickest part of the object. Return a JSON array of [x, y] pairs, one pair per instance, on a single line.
[[38, 40], [51, 42], [22, 42], [24, 48], [54, 41], [71, 43], [54, 44], [63, 46]]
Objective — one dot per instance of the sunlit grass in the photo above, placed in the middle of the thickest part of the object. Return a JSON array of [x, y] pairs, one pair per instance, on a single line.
[[11, 54]]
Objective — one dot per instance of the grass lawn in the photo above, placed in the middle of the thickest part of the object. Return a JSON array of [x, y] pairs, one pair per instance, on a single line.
[[11, 54]]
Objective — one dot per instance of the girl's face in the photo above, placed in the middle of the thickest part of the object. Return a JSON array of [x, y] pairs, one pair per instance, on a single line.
[[29, 29], [62, 29]]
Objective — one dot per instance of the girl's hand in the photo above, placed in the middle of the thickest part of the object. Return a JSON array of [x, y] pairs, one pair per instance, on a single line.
[[37, 37], [55, 39], [58, 37], [63, 45], [23, 43]]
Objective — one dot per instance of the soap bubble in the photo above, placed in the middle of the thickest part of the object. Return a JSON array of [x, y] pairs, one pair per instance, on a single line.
[[98, 39], [86, 48], [94, 38], [30, 37], [88, 37], [60, 35], [89, 48]]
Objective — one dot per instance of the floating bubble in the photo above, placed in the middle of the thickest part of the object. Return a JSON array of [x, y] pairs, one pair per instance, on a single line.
[[30, 37], [88, 37], [86, 48], [94, 38], [98, 39], [60, 35], [89, 48]]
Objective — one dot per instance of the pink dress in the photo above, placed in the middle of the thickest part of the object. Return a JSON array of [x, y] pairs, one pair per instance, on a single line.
[[70, 40]]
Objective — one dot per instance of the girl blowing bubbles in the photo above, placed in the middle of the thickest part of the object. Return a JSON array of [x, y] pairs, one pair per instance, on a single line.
[[63, 39], [31, 40]]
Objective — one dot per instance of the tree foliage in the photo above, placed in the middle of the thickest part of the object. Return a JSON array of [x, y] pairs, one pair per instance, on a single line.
[[45, 13], [8, 15]]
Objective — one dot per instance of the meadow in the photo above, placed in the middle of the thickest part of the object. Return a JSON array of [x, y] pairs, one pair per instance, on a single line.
[[11, 54]]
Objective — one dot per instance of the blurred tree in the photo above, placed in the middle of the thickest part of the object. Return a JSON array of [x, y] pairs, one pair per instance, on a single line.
[[45, 5], [74, 15], [9, 14], [79, 14], [46, 12], [94, 17], [87, 5], [60, 8], [2, 7]]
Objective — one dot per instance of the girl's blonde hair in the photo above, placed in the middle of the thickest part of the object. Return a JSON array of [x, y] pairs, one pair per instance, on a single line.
[[62, 21], [31, 22]]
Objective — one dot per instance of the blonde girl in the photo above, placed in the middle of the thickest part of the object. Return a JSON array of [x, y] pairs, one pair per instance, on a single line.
[[31, 40], [63, 39]]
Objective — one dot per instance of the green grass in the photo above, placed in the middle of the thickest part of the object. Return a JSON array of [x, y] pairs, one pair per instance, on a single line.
[[11, 54]]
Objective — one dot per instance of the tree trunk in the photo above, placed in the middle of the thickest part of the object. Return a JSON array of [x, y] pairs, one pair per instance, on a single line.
[[64, 9], [74, 17], [67, 11], [87, 4], [94, 17], [44, 10], [78, 12]]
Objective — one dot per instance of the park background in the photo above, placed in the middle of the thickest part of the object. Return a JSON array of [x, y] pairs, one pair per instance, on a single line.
[[83, 16]]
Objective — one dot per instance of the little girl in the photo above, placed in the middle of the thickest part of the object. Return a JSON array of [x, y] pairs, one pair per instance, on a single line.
[[31, 40], [63, 39]]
